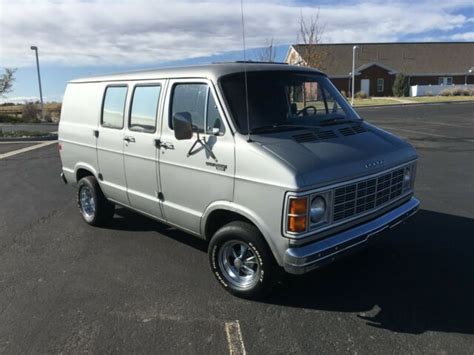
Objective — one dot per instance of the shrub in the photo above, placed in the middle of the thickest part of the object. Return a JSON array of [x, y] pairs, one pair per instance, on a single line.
[[30, 112], [48, 116], [361, 95], [429, 93], [457, 91], [400, 86]]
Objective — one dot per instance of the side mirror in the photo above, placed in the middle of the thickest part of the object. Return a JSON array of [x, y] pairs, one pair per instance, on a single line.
[[183, 125]]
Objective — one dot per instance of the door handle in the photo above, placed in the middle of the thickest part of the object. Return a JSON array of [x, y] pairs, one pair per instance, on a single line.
[[164, 145], [129, 139]]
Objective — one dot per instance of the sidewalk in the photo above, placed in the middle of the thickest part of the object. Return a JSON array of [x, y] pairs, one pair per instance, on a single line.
[[396, 99]]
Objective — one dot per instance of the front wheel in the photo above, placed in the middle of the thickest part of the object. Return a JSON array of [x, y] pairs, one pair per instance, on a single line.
[[241, 261]]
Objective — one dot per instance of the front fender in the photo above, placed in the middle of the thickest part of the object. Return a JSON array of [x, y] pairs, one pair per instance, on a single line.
[[271, 239]]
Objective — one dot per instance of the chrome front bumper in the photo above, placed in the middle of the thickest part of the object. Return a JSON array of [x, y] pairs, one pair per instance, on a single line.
[[303, 259]]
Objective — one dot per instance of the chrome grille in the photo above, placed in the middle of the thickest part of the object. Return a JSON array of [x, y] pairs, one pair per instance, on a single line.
[[353, 199]]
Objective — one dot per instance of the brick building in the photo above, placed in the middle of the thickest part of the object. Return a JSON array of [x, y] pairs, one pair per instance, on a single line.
[[377, 64]]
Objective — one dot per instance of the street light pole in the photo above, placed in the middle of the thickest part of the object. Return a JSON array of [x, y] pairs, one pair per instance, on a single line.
[[353, 72], [34, 48]]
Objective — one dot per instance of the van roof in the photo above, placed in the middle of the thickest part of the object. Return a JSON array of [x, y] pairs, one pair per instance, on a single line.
[[210, 71]]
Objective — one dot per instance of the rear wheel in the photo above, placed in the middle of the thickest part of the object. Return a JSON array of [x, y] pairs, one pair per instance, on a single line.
[[95, 209], [241, 261]]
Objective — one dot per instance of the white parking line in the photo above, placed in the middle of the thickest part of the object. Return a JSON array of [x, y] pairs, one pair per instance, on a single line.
[[19, 142], [425, 133], [234, 338], [27, 149]]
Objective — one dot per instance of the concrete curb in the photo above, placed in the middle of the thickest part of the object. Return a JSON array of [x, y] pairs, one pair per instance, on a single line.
[[29, 139], [416, 104]]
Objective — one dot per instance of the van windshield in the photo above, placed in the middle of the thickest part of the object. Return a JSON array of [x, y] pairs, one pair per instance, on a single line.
[[284, 100]]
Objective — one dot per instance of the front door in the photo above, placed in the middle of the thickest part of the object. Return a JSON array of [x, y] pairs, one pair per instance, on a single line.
[[365, 86], [140, 152], [191, 179]]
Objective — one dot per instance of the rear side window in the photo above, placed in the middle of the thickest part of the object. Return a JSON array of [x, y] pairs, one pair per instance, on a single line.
[[144, 108], [114, 107], [197, 99]]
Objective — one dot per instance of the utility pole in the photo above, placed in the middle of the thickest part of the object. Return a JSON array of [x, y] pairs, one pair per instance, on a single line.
[[34, 48]]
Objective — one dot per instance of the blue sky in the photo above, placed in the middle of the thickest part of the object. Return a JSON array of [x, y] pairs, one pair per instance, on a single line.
[[85, 37]]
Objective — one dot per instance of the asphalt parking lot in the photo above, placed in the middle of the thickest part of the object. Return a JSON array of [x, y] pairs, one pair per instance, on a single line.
[[140, 286]]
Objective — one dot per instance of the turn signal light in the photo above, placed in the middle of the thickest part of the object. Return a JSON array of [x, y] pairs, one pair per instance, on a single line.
[[298, 206], [296, 224], [297, 214]]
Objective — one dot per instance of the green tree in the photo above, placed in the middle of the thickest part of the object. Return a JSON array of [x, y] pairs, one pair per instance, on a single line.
[[400, 85], [6, 81]]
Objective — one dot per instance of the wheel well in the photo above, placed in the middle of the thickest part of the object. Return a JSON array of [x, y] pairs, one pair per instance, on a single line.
[[82, 173], [220, 218]]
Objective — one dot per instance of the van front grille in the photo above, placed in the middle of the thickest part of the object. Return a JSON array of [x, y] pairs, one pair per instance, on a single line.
[[353, 199]]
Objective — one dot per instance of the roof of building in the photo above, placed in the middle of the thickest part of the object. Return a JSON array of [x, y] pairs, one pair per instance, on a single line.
[[423, 58], [210, 71]]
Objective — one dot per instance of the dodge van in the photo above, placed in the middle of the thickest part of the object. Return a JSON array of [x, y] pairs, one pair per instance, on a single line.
[[267, 162]]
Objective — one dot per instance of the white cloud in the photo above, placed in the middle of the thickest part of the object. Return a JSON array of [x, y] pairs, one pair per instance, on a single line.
[[104, 32], [19, 99], [467, 36]]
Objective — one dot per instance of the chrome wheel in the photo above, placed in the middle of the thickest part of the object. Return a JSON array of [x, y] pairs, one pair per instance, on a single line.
[[87, 202], [239, 265]]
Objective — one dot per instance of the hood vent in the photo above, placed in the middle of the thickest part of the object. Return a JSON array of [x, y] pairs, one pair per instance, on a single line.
[[314, 136], [350, 131], [325, 134]]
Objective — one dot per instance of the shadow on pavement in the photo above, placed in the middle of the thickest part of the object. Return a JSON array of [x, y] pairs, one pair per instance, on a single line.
[[419, 278], [127, 220]]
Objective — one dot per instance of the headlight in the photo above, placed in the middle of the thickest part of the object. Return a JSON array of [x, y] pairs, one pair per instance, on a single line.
[[408, 177], [307, 213], [318, 209]]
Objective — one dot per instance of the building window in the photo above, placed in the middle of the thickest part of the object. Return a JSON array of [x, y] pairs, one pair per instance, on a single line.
[[380, 85], [114, 106], [445, 80]]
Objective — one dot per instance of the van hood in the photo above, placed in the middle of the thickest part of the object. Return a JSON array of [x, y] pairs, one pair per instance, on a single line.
[[340, 157]]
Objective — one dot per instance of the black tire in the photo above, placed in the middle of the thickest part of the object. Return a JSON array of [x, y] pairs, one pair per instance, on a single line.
[[236, 234], [102, 211]]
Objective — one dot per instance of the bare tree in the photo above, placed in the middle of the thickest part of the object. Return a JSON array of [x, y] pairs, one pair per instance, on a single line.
[[268, 53], [310, 35], [6, 81]]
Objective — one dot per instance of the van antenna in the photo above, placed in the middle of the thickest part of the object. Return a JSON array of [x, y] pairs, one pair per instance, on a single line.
[[245, 72]]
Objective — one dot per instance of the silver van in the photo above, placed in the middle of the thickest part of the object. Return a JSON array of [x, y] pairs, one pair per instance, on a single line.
[[268, 162]]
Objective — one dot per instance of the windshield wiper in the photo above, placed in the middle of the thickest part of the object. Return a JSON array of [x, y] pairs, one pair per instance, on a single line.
[[327, 122], [275, 126], [337, 120]]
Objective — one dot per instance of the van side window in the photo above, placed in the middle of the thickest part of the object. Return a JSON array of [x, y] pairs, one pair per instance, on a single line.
[[114, 106], [190, 98], [144, 108], [196, 99]]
